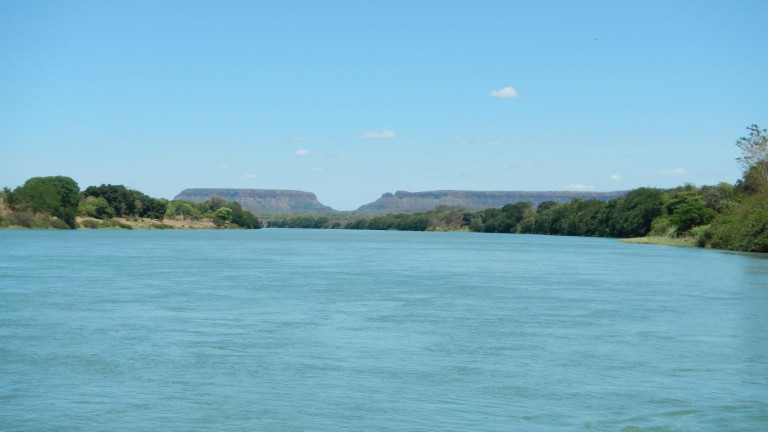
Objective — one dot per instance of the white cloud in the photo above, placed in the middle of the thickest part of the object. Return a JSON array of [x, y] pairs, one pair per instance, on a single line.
[[579, 187], [225, 166], [251, 176], [615, 177], [384, 133], [318, 169], [505, 93], [677, 172], [301, 152], [299, 139]]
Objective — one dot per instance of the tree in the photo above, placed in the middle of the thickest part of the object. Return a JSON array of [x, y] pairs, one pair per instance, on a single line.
[[691, 212], [242, 217], [632, 214], [222, 217], [97, 208], [754, 149], [57, 195], [122, 200]]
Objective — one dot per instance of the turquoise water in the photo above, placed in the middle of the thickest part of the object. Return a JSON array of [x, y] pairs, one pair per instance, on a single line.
[[300, 330]]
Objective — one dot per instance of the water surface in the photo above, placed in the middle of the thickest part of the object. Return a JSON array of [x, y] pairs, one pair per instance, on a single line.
[[301, 330]]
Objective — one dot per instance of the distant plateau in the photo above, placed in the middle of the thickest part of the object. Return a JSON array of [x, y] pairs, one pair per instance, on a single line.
[[272, 201]]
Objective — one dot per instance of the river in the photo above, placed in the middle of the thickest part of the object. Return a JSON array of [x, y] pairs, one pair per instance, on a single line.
[[332, 330]]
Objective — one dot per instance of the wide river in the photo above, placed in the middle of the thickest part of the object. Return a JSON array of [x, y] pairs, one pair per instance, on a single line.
[[304, 330]]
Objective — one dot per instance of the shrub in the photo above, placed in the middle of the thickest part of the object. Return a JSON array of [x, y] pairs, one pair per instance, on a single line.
[[89, 224], [745, 228]]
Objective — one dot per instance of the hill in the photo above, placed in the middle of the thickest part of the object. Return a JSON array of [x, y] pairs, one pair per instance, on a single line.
[[261, 201], [413, 202]]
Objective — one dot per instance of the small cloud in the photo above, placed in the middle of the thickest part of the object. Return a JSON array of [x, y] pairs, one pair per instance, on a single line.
[[299, 139], [677, 172], [301, 152], [385, 133], [579, 187], [318, 169], [505, 93], [615, 177], [465, 141], [250, 176], [225, 167]]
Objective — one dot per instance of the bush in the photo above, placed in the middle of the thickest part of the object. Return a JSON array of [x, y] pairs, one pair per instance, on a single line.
[[745, 228], [58, 196], [662, 227], [90, 224], [690, 213], [113, 224], [160, 226]]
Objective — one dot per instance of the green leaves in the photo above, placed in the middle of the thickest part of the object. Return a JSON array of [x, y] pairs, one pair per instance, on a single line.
[[56, 195]]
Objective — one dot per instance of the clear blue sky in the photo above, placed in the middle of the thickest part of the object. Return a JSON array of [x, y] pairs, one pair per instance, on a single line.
[[353, 99]]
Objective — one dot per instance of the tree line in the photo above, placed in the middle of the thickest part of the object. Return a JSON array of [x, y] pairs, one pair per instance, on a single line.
[[56, 202], [723, 216]]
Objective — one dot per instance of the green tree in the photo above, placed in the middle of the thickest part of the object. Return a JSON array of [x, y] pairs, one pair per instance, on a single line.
[[59, 196], [222, 217], [182, 210], [242, 217], [97, 208], [719, 197], [754, 150], [743, 228], [632, 214], [692, 212]]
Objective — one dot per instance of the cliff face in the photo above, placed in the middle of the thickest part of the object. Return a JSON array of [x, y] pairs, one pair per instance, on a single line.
[[413, 202], [261, 201]]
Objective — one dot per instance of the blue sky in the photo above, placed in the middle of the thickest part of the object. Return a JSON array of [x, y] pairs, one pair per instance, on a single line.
[[353, 99]]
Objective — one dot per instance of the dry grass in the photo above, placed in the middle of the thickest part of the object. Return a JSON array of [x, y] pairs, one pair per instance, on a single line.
[[659, 240], [4, 210], [143, 223]]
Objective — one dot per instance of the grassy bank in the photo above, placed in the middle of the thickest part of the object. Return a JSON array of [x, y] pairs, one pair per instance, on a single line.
[[660, 240]]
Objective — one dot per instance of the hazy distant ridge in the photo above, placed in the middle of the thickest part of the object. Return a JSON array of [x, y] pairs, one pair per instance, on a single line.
[[271, 201], [411, 202], [261, 201]]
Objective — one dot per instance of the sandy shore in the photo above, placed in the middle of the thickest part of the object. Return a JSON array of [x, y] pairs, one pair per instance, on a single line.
[[144, 223]]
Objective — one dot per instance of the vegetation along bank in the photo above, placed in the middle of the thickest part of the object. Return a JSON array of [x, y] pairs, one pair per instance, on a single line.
[[724, 216]]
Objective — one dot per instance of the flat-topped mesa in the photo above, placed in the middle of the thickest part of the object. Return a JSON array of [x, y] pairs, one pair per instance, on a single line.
[[261, 201], [414, 202]]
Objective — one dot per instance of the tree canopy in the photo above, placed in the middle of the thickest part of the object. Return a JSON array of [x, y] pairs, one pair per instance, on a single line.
[[128, 202], [754, 158], [56, 195]]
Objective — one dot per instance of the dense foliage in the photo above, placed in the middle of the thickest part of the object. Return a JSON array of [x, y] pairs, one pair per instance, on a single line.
[[126, 202], [57, 196], [743, 222], [54, 202], [743, 228], [632, 215], [223, 213]]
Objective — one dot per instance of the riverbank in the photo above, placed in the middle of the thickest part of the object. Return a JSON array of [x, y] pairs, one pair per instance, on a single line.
[[143, 224], [661, 240]]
